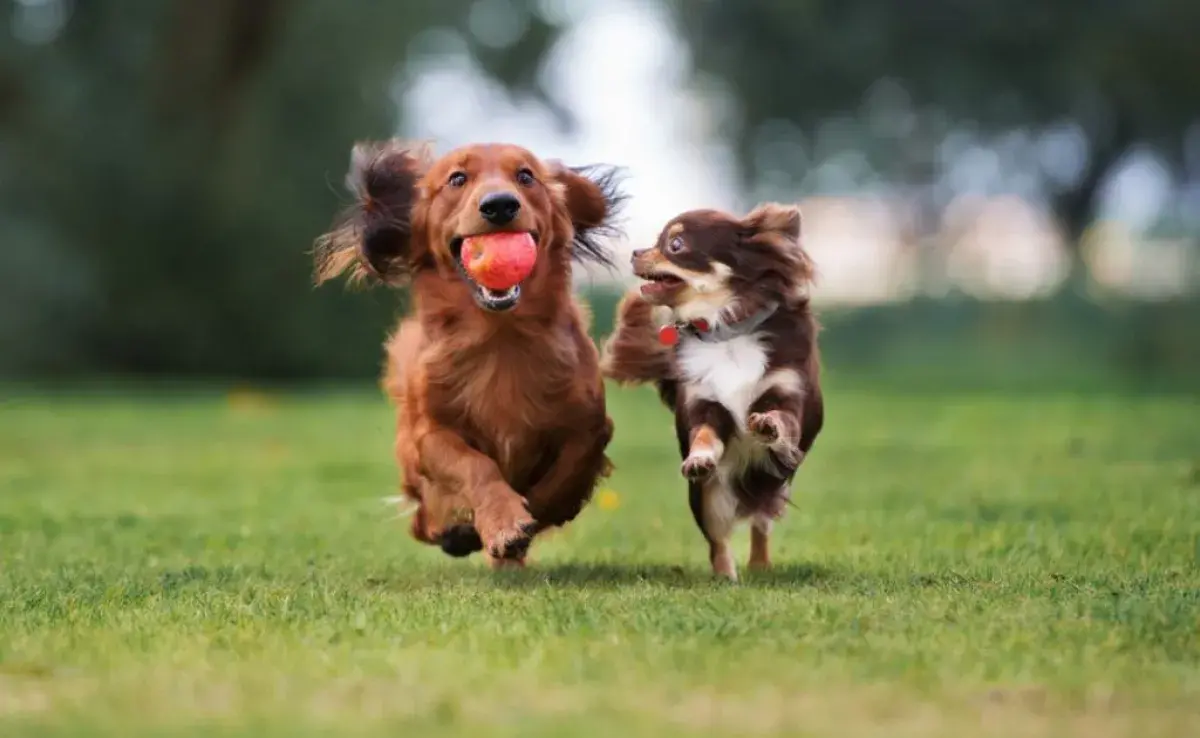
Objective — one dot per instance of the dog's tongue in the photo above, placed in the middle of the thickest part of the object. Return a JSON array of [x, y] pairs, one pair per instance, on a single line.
[[499, 261]]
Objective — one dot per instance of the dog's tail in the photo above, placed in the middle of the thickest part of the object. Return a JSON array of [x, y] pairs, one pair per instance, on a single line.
[[633, 353]]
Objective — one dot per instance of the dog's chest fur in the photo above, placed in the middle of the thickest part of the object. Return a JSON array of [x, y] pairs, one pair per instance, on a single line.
[[511, 398], [729, 372]]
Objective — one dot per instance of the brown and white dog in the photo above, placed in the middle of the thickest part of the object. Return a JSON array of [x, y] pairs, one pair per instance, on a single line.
[[501, 426], [736, 360]]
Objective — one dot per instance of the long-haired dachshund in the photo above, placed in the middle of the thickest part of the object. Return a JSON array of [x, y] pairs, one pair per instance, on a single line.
[[736, 360], [501, 423]]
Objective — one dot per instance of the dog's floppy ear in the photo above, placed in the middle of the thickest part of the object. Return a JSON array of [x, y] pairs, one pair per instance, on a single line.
[[373, 238], [593, 198], [776, 227]]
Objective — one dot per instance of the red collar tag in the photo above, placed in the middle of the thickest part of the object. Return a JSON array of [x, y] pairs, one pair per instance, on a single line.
[[668, 335]]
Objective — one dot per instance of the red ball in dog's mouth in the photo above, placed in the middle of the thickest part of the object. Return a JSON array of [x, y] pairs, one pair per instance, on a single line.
[[499, 261]]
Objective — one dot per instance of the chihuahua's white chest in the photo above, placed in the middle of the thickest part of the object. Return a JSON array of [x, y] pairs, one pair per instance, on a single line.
[[729, 372]]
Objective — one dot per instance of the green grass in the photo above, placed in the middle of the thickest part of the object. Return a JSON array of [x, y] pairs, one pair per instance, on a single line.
[[957, 564]]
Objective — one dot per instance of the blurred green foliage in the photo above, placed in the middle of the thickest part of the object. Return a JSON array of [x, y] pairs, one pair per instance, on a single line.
[[1065, 341], [1118, 74], [165, 164]]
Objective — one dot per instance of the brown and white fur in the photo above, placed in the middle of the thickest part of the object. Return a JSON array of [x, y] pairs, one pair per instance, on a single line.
[[747, 401], [501, 426]]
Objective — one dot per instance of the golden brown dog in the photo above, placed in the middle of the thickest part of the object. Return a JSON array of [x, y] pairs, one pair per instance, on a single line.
[[501, 422]]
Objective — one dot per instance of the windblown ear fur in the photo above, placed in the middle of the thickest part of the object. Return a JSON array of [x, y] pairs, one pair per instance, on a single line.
[[372, 239], [777, 227], [593, 196], [782, 221]]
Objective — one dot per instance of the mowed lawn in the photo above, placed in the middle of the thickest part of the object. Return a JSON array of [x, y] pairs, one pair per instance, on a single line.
[[956, 565]]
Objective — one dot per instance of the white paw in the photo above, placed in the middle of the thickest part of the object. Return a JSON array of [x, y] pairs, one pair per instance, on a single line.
[[699, 466]]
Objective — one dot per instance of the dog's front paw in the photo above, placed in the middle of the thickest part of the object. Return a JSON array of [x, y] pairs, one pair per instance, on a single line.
[[460, 540], [766, 427], [699, 467], [513, 544], [506, 526], [771, 430]]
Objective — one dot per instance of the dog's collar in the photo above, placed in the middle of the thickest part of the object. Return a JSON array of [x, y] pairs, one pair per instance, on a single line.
[[701, 329]]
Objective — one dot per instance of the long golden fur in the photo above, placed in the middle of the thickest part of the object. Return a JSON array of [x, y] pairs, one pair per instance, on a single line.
[[501, 424]]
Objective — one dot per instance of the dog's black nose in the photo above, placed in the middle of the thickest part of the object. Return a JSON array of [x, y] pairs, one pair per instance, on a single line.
[[499, 208], [637, 254]]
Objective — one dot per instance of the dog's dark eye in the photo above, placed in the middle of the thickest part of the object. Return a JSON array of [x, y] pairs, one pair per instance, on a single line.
[[458, 179], [524, 177], [675, 245]]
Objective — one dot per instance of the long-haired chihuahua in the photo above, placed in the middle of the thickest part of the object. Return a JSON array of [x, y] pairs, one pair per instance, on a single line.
[[722, 326]]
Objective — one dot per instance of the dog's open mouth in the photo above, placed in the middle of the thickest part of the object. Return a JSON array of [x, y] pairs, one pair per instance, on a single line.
[[496, 301], [660, 285]]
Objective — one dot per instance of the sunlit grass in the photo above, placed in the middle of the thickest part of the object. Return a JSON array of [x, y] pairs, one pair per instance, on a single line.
[[957, 565]]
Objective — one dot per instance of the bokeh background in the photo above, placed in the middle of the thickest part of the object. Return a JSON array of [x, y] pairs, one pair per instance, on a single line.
[[1000, 192]]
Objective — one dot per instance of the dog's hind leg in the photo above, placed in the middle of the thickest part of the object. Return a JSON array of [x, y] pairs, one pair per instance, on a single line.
[[718, 508], [760, 539]]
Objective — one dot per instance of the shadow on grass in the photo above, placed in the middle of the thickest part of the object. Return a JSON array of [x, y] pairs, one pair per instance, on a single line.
[[612, 576], [615, 576]]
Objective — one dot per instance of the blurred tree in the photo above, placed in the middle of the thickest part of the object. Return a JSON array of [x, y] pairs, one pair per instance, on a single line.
[[165, 164], [1118, 72], [164, 167]]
